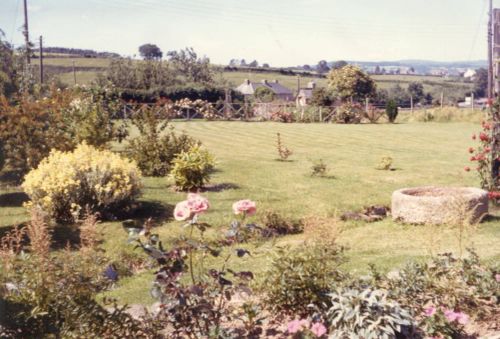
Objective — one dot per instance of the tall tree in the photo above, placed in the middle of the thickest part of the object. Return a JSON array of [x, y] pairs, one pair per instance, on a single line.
[[322, 67], [416, 90], [150, 52], [481, 82], [351, 82], [187, 63], [254, 64], [339, 64], [8, 74]]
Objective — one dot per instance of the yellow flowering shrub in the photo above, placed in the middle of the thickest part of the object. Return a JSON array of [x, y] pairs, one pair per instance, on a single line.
[[67, 184]]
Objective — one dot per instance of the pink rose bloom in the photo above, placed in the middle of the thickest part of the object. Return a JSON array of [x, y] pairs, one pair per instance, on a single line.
[[244, 206], [182, 211], [197, 203], [450, 315], [429, 311], [318, 329], [462, 318], [497, 277]]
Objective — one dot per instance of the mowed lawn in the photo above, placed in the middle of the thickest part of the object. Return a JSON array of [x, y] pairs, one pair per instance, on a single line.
[[423, 153]]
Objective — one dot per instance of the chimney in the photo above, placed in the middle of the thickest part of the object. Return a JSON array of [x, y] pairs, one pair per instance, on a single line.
[[311, 85], [247, 81], [264, 82]]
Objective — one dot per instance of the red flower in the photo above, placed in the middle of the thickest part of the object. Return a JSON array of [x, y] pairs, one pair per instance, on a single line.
[[493, 195], [473, 159], [484, 137], [467, 169], [471, 149], [487, 149]]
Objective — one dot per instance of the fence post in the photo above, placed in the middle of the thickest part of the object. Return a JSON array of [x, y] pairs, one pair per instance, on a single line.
[[367, 101], [320, 114], [411, 103], [472, 101]]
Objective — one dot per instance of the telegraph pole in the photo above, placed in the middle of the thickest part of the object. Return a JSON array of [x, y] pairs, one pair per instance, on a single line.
[[41, 59], [26, 33], [490, 52]]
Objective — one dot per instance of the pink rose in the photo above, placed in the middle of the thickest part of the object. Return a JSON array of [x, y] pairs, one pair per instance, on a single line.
[[318, 329], [497, 277], [244, 206], [430, 311], [182, 211], [450, 315], [197, 203], [462, 318]]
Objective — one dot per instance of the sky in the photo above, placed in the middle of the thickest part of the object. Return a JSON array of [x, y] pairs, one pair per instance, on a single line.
[[278, 32]]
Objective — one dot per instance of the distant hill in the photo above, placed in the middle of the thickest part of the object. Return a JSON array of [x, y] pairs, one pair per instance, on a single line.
[[422, 66]]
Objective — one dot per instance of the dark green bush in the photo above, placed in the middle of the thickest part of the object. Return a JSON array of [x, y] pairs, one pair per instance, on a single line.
[[302, 276], [391, 109], [156, 147], [274, 224]]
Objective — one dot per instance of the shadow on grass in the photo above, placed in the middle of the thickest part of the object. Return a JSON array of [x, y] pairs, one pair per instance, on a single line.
[[154, 210], [220, 187], [491, 218], [11, 178], [14, 199]]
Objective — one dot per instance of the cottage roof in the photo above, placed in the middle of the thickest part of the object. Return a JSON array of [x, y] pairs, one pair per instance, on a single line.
[[248, 87]]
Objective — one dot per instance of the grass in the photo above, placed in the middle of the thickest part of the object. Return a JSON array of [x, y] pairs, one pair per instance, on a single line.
[[423, 153]]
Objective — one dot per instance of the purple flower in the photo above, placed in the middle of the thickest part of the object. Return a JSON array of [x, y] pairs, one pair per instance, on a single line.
[[318, 329]]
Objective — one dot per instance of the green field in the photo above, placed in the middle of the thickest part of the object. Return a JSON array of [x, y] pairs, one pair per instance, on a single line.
[[423, 153], [89, 68]]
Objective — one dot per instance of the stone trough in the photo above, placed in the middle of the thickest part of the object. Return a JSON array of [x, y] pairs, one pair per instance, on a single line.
[[439, 205]]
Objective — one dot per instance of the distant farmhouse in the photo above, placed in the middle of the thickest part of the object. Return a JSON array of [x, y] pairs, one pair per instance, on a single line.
[[247, 88], [305, 94]]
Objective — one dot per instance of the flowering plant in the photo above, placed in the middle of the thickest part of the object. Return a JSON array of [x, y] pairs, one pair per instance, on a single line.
[[482, 155], [198, 306], [439, 322], [303, 328]]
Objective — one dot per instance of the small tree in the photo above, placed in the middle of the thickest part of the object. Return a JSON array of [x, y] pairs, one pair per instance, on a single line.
[[391, 109], [416, 90], [339, 64], [254, 63], [150, 52], [351, 82], [322, 67]]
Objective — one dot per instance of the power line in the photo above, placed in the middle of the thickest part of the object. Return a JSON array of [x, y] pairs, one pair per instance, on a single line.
[[481, 17], [16, 14]]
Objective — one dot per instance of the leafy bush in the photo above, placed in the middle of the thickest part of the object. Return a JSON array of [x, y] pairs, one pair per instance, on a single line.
[[391, 109], [31, 128], [50, 295], [274, 224], [67, 184], [385, 163], [154, 149], [366, 314], [349, 113], [444, 323], [464, 284], [90, 116], [192, 169], [302, 276], [2, 155], [282, 116]]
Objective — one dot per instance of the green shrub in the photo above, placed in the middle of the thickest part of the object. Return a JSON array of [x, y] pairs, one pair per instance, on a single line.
[[192, 169], [274, 224], [465, 284], [319, 168], [67, 184], [385, 163], [302, 276], [349, 113], [2, 155], [391, 109], [155, 149], [51, 295], [366, 314]]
